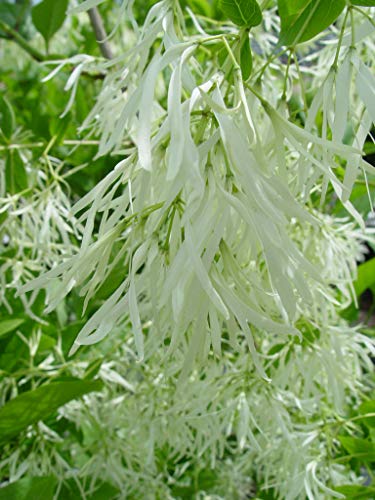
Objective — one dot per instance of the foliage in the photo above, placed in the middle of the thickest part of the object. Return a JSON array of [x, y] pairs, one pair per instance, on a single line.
[[193, 214]]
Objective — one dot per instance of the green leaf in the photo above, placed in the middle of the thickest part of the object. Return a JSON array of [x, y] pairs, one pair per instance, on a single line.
[[9, 325], [364, 3], [352, 491], [200, 6], [366, 408], [244, 13], [290, 8], [275, 349], [35, 405], [350, 313], [246, 59], [93, 368], [58, 127], [362, 449], [366, 277], [304, 19], [30, 488], [8, 14], [370, 332], [7, 118], [15, 173], [105, 491], [46, 343], [14, 354], [48, 17]]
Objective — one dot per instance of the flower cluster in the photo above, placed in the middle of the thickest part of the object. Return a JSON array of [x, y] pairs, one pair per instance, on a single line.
[[232, 280]]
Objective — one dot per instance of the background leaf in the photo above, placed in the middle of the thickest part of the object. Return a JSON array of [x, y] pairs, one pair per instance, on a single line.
[[7, 119], [362, 449], [70, 491], [242, 12], [30, 488], [364, 3], [15, 173], [32, 406], [48, 17], [9, 325], [356, 491], [302, 20], [246, 59], [366, 408], [366, 277]]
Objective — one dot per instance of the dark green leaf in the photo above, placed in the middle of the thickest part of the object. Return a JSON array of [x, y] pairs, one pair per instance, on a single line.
[[364, 3], [244, 13], [7, 119], [9, 325], [366, 277], [14, 355], [48, 17], [15, 173], [304, 19], [246, 59], [32, 406], [30, 488]]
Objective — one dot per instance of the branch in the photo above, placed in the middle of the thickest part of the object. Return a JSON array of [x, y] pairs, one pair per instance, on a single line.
[[22, 42], [14, 36], [100, 34]]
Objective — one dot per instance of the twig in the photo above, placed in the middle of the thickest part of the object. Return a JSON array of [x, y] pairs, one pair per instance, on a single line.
[[100, 34], [14, 36], [68, 142], [22, 42]]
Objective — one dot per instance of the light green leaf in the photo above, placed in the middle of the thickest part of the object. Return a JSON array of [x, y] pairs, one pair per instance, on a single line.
[[201, 7], [30, 488], [366, 277], [290, 8], [242, 12], [70, 491], [48, 17], [302, 20], [9, 325], [362, 449], [367, 408], [32, 406], [93, 369], [352, 491]]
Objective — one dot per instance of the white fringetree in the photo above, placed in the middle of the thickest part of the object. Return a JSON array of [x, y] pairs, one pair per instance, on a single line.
[[234, 135]]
